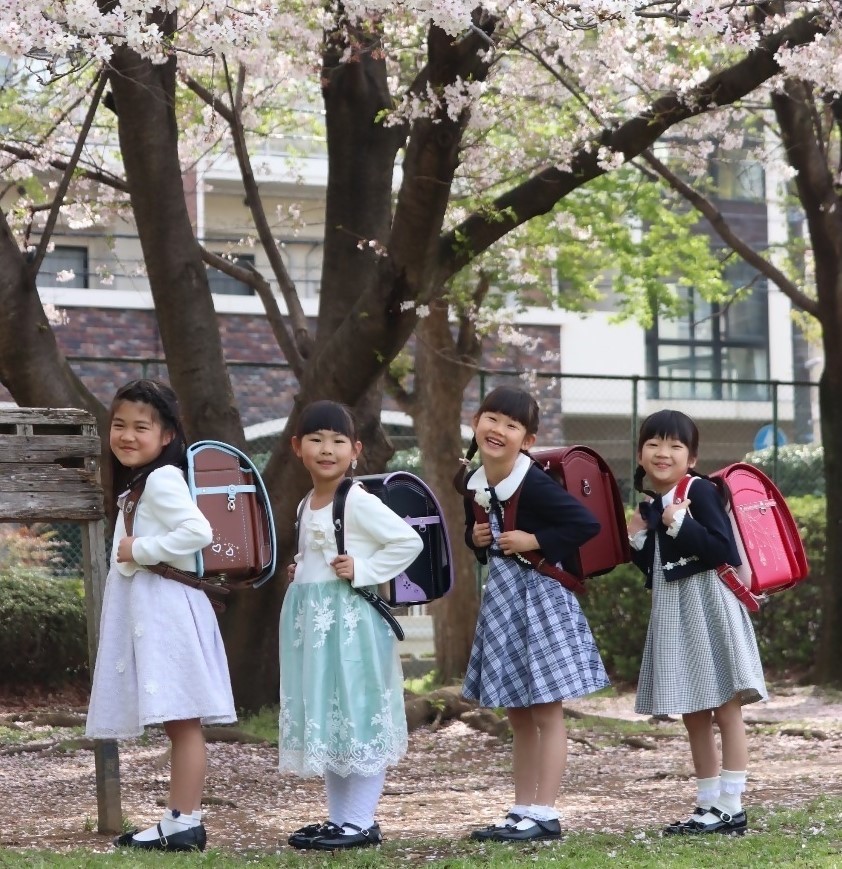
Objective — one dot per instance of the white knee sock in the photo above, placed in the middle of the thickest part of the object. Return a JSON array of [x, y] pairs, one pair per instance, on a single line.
[[363, 796], [170, 823], [707, 791], [733, 783]]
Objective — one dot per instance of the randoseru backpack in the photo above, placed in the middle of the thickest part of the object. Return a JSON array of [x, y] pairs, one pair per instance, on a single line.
[[586, 476], [430, 576], [767, 538], [228, 489]]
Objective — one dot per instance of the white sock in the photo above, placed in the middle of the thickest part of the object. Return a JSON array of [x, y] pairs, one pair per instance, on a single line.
[[363, 796], [732, 786], [518, 809], [171, 822], [543, 813], [707, 791], [197, 815]]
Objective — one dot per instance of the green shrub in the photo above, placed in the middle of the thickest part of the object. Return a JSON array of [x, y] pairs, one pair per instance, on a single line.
[[617, 606], [43, 635], [799, 469]]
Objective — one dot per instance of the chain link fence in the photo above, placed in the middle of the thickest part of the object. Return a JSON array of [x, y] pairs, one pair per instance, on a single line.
[[774, 424]]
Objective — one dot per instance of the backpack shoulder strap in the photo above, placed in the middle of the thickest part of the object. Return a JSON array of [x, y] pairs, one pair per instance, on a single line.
[[682, 488], [339, 499], [130, 506]]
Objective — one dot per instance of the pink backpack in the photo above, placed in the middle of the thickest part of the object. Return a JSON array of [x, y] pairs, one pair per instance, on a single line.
[[767, 538]]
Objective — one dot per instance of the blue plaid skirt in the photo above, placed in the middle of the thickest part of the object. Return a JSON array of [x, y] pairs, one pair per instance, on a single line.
[[533, 643]]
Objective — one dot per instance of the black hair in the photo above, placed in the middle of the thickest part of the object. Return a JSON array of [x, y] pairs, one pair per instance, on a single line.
[[164, 404], [671, 424], [328, 416], [513, 401]]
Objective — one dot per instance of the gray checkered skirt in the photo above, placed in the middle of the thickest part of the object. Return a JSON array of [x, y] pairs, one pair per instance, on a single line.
[[700, 649], [532, 644]]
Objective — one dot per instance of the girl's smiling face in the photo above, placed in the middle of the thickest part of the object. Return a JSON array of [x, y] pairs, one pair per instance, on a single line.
[[500, 439], [666, 460], [326, 454], [137, 437]]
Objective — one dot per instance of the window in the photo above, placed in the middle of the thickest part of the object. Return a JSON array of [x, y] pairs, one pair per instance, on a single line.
[[224, 285], [62, 262], [738, 176], [717, 345]]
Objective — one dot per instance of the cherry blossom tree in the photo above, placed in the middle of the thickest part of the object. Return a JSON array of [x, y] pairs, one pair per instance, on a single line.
[[448, 127]]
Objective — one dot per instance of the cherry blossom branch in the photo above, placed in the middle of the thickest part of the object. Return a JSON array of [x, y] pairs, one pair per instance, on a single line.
[[58, 200], [540, 193]]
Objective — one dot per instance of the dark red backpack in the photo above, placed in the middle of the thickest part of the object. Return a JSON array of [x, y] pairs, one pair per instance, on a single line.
[[767, 538], [586, 476]]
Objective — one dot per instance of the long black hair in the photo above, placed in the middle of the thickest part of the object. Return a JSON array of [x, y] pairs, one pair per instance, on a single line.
[[164, 404], [678, 426], [512, 401]]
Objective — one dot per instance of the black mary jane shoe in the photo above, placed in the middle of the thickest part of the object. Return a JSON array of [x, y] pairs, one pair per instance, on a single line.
[[360, 839], [125, 840], [539, 830], [487, 833], [191, 839], [303, 837], [728, 824]]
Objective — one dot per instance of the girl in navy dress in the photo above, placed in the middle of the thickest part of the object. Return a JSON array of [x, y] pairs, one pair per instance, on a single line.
[[700, 660], [533, 647]]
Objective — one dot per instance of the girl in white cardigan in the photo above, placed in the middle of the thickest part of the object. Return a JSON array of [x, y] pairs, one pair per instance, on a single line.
[[160, 658], [342, 713]]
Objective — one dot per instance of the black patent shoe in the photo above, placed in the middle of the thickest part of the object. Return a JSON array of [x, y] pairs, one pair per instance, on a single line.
[[124, 840], [191, 839], [539, 830], [303, 837], [486, 833], [728, 824], [360, 839]]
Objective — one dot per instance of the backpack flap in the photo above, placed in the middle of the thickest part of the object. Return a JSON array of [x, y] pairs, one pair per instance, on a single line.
[[767, 536], [228, 490], [430, 576], [587, 476]]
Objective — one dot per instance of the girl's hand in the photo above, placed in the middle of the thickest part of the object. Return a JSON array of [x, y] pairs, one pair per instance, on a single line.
[[517, 541], [344, 567], [291, 572], [481, 535], [671, 509], [636, 523], [124, 549]]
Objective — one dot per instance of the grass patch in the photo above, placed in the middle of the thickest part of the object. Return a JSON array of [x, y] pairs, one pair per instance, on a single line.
[[423, 684], [263, 724], [805, 838]]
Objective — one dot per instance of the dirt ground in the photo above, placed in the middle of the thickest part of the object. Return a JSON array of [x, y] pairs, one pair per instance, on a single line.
[[453, 779]]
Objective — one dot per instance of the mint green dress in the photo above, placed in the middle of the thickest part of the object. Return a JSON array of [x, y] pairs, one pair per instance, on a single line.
[[342, 706]]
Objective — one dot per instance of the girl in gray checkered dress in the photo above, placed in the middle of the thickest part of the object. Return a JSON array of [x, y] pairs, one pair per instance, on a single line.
[[533, 647], [700, 660]]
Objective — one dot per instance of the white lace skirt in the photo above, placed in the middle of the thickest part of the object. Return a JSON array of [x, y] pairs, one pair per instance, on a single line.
[[341, 684], [160, 658]]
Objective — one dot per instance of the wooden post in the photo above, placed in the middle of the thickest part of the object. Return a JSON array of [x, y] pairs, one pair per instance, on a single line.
[[49, 471]]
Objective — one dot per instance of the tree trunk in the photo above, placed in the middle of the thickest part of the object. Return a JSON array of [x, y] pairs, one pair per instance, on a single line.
[[800, 114], [442, 371], [144, 98]]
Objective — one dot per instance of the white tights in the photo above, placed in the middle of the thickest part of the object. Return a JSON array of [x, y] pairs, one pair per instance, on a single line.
[[353, 799]]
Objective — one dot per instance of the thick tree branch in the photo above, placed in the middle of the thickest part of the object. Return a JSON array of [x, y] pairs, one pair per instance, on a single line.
[[723, 229], [540, 193]]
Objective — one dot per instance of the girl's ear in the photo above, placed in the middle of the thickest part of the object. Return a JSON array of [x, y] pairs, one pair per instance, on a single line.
[[475, 422], [358, 448], [167, 436], [529, 441], [296, 446], [691, 463]]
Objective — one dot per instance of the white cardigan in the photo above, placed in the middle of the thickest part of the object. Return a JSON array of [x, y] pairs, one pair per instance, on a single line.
[[168, 524], [380, 542]]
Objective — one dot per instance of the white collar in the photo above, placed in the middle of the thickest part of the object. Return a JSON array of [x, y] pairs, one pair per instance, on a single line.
[[506, 487]]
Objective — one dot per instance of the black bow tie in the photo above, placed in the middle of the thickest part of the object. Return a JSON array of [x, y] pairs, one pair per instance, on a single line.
[[651, 511]]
